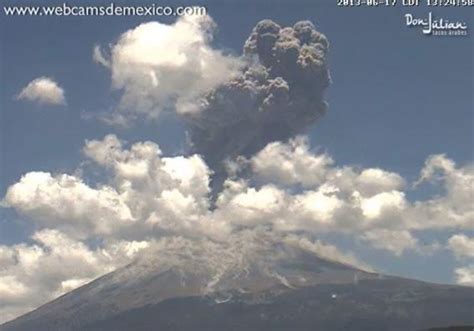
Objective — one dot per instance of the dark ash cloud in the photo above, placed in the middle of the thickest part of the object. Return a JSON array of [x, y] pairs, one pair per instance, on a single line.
[[279, 94]]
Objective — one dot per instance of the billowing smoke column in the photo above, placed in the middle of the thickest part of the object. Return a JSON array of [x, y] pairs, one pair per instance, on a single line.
[[279, 94]]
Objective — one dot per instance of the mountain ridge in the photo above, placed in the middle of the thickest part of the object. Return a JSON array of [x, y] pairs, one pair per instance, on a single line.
[[296, 291]]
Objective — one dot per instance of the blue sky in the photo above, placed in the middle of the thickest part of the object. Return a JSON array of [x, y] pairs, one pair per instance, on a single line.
[[397, 97]]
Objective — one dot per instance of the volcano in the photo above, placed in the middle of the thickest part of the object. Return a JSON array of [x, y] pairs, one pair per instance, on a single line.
[[284, 289]]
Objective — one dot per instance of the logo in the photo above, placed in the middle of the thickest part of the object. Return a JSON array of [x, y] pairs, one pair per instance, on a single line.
[[437, 26]]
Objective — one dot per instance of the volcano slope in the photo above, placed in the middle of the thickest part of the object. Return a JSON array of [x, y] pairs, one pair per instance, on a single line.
[[294, 290]]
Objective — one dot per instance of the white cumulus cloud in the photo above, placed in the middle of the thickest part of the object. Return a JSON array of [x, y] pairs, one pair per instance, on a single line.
[[465, 275], [393, 241], [158, 66], [291, 163], [462, 245], [43, 90], [66, 202]]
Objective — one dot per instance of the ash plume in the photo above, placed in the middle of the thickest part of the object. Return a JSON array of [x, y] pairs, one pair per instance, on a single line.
[[279, 94]]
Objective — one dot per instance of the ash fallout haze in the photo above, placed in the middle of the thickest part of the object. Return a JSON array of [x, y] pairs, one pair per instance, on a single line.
[[248, 166]]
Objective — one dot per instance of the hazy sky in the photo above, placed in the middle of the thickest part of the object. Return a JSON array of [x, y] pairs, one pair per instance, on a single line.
[[397, 97]]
